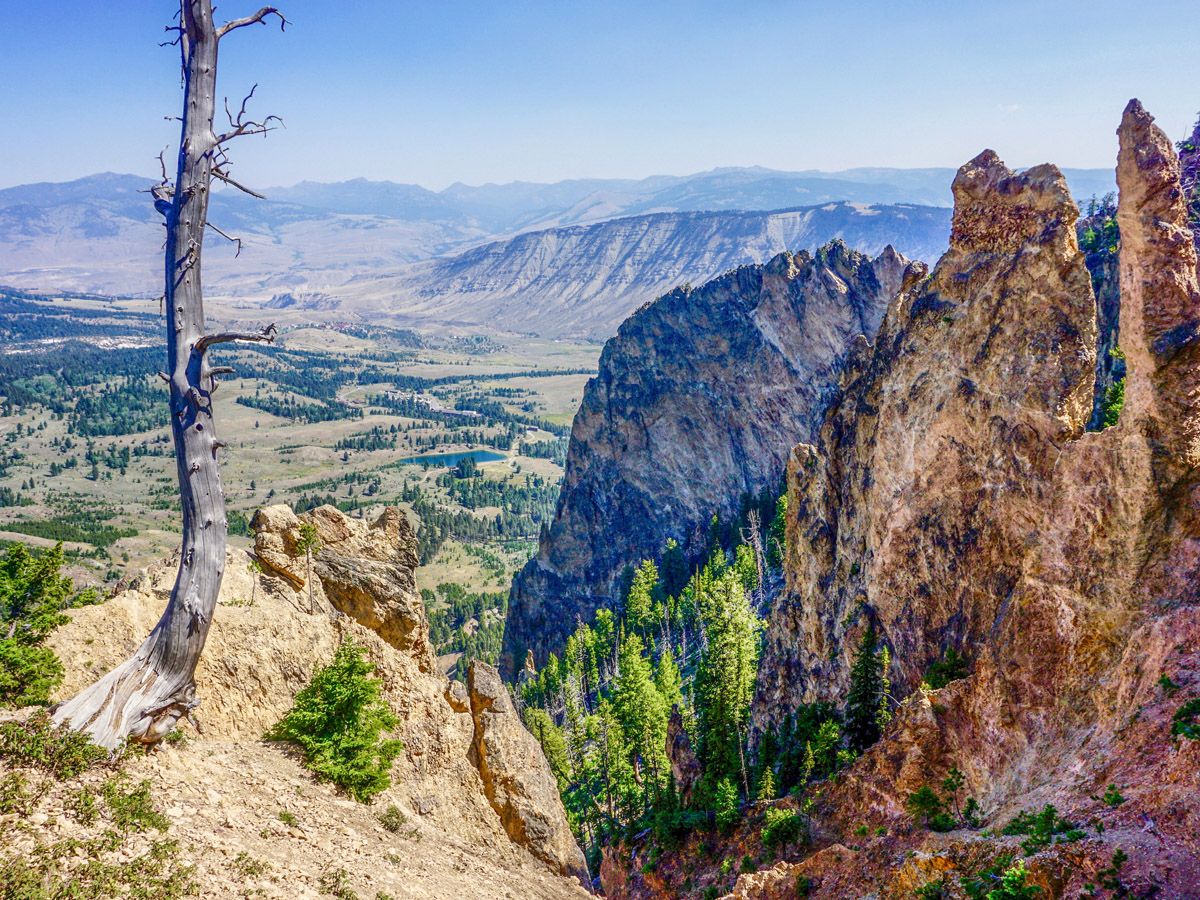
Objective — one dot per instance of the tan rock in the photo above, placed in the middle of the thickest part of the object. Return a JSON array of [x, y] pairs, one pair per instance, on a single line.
[[516, 777], [954, 500]]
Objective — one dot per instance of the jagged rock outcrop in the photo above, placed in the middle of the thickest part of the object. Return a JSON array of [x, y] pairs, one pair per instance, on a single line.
[[264, 645], [698, 398], [685, 765], [365, 572], [954, 500], [516, 776]]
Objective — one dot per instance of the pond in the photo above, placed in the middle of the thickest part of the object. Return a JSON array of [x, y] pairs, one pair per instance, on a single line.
[[449, 460]]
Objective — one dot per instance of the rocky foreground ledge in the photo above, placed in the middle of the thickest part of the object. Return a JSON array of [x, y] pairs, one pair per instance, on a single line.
[[483, 817]]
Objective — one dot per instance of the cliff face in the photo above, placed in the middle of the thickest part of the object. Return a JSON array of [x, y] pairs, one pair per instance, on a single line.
[[265, 643], [697, 400], [954, 499]]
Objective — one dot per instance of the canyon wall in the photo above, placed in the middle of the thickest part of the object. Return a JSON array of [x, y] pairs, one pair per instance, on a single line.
[[698, 398], [954, 500]]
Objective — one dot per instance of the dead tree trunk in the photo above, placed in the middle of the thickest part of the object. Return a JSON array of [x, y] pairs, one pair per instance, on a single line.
[[145, 696]]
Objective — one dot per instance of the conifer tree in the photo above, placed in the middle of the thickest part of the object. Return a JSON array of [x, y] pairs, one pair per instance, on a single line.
[[674, 569], [668, 680], [643, 598], [642, 714], [725, 678], [865, 695]]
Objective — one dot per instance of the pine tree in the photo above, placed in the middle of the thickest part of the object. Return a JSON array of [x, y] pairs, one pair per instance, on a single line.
[[644, 595], [674, 569], [777, 533], [883, 712], [766, 785], [725, 677], [866, 691], [668, 680], [640, 709]]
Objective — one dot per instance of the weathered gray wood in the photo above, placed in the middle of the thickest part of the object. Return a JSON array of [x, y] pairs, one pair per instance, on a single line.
[[144, 697]]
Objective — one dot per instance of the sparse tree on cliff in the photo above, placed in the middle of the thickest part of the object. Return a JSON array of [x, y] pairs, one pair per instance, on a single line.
[[868, 694], [308, 544], [145, 696]]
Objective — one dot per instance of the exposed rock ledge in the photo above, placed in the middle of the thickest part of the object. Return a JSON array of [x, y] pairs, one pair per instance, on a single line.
[[264, 646]]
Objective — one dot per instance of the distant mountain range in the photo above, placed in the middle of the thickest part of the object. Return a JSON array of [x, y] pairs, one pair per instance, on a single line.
[[584, 280], [568, 258]]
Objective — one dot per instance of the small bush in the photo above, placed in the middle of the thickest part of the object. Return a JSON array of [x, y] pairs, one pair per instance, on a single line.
[[1185, 721], [1168, 686], [132, 809], [951, 667], [287, 818], [1042, 828], [928, 808], [393, 819], [249, 867], [336, 883], [782, 827], [934, 890], [747, 865], [58, 752], [1113, 797], [337, 720], [1014, 885], [1113, 403]]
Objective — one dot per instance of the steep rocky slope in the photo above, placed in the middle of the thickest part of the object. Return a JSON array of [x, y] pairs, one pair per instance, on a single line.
[[698, 398], [585, 280], [954, 500], [226, 787]]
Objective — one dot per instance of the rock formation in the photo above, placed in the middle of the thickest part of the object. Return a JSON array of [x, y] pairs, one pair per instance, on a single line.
[[954, 500], [263, 647], [516, 776], [698, 399]]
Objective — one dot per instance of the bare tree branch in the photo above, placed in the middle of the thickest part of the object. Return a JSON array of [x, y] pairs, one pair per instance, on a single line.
[[266, 336], [232, 240], [241, 125], [259, 18], [217, 173]]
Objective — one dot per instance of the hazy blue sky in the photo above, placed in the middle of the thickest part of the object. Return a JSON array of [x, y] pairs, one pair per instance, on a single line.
[[436, 91]]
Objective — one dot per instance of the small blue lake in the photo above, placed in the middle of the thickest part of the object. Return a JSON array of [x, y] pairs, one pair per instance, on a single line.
[[449, 460]]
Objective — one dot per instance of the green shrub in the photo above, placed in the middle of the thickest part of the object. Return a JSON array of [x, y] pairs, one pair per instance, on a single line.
[[1185, 721], [934, 890], [33, 595], [782, 827], [726, 804], [132, 809], [336, 883], [1168, 686], [392, 818], [747, 865], [951, 667], [1113, 797], [978, 886], [337, 721], [1014, 885], [1113, 403], [928, 808], [1042, 828], [287, 818], [58, 752]]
